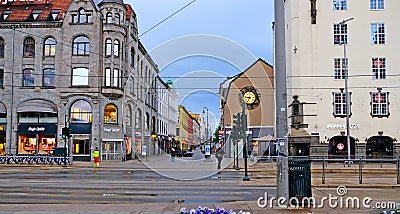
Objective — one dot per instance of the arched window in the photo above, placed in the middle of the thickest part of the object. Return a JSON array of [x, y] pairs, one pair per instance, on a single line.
[[117, 19], [48, 77], [29, 47], [81, 112], [108, 47], [82, 16], [128, 116], [138, 121], [28, 77], [50, 47], [109, 18], [147, 121], [116, 48], [81, 46], [110, 114], [132, 58], [2, 44]]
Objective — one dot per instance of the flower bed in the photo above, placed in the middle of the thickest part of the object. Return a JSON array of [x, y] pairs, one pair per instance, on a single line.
[[206, 210]]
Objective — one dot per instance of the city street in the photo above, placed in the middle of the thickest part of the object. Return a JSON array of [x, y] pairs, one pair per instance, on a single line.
[[134, 187]]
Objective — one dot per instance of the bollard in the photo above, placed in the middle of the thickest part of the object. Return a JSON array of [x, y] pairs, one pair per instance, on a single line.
[[323, 171], [381, 162], [360, 172]]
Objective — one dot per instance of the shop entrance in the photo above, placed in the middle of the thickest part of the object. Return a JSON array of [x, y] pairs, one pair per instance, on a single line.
[[338, 147], [380, 147], [111, 150]]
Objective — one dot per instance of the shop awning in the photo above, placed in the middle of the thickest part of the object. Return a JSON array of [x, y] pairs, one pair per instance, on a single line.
[[2, 109], [37, 106], [112, 140]]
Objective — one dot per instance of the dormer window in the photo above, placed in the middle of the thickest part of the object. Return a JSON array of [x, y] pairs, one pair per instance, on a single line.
[[53, 15], [5, 15], [34, 15]]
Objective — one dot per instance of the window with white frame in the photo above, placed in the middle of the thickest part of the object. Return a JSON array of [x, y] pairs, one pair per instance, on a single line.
[[80, 76], [376, 4], [339, 4], [117, 19], [378, 33], [116, 48], [339, 104], [379, 104], [340, 68], [108, 47], [112, 77], [378, 68], [109, 18], [50, 47], [339, 34]]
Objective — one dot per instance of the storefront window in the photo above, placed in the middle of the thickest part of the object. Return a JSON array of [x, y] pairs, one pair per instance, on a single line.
[[81, 146], [2, 140], [110, 114], [47, 144], [81, 112], [27, 144]]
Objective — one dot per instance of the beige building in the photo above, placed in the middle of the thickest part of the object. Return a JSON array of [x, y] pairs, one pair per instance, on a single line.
[[316, 69], [257, 78]]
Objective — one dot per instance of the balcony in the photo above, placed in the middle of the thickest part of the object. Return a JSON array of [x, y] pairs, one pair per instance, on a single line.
[[112, 92]]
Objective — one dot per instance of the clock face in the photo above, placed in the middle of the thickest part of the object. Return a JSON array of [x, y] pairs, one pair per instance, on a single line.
[[249, 97]]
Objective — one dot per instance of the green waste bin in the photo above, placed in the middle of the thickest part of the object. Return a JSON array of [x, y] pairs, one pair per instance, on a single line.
[[300, 178]]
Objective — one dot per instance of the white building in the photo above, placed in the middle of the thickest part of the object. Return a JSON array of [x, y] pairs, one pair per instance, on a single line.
[[316, 74]]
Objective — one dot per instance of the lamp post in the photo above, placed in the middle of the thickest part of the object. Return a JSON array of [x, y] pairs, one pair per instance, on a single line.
[[346, 76], [206, 127]]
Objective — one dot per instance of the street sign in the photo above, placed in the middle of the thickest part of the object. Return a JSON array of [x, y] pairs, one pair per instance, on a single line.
[[208, 149], [144, 150]]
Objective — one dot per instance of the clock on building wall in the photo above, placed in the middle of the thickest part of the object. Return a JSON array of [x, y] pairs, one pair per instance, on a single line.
[[250, 97]]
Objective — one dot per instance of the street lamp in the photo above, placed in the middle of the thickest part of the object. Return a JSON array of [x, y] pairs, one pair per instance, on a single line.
[[342, 24], [206, 126]]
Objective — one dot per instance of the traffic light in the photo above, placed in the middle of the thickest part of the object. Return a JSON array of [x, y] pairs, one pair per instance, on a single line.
[[237, 125], [65, 132]]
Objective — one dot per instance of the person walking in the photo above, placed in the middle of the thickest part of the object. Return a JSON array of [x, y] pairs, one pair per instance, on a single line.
[[96, 157], [219, 155]]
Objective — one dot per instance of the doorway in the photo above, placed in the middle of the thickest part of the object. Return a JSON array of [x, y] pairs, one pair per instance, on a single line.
[[111, 150]]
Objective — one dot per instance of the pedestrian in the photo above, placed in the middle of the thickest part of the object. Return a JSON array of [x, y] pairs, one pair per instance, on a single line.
[[96, 157], [219, 154]]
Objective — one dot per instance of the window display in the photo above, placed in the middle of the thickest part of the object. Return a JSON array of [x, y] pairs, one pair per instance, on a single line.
[[28, 144]]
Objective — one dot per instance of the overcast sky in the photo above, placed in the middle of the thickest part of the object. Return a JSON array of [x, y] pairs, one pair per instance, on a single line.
[[245, 24]]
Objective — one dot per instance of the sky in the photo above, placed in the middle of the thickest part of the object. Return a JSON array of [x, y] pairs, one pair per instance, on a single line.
[[204, 43]]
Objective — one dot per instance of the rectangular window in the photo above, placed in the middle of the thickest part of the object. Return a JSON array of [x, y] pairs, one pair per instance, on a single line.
[[112, 78], [74, 18], [1, 77], [378, 33], [116, 78], [339, 4], [377, 4], [80, 77], [340, 68], [339, 104], [379, 104], [28, 77], [378, 68], [339, 34], [48, 77]]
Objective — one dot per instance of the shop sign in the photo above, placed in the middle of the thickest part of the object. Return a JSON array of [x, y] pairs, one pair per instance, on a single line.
[[340, 126], [36, 129], [340, 146], [33, 129], [109, 130]]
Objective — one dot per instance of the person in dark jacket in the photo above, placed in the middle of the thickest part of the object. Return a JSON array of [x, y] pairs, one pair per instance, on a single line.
[[219, 154]]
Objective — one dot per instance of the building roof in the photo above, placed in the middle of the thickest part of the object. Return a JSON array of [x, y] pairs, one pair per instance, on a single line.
[[21, 10]]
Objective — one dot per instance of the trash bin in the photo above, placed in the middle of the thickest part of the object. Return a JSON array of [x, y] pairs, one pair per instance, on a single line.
[[300, 178]]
